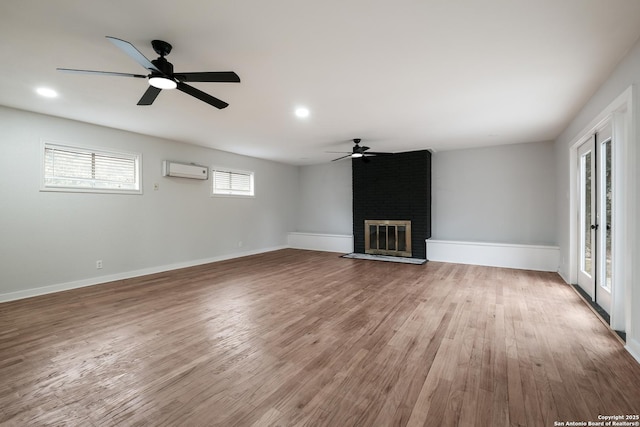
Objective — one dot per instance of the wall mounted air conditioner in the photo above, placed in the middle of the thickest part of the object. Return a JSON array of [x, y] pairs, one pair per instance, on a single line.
[[184, 170]]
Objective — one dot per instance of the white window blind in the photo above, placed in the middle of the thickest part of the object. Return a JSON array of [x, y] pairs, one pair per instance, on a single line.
[[82, 169], [230, 182]]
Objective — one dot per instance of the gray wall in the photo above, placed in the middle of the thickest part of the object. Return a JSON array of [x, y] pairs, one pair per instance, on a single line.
[[49, 238], [325, 198], [500, 194], [495, 194], [626, 74]]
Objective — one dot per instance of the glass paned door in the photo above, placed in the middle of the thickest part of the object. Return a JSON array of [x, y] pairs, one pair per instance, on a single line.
[[604, 236], [587, 215], [596, 204]]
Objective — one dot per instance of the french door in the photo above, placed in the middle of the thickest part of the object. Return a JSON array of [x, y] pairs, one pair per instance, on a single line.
[[595, 163]]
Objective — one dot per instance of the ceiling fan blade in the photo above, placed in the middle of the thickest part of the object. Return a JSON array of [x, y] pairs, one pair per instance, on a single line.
[[374, 153], [149, 96], [340, 158], [134, 53], [363, 149], [101, 73], [212, 76], [205, 97]]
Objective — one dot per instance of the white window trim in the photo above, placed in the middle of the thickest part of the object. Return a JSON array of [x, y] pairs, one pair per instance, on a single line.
[[60, 189], [240, 171]]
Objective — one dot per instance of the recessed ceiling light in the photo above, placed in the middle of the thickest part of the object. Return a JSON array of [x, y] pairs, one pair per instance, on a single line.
[[46, 92], [302, 112]]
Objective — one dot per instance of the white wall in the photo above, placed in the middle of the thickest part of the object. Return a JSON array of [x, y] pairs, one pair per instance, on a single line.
[[500, 194], [626, 74], [49, 238], [325, 199]]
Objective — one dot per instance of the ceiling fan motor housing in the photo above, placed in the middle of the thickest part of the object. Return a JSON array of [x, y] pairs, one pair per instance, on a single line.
[[163, 65]]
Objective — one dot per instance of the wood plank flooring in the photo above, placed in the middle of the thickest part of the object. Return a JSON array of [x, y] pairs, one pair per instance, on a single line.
[[311, 339]]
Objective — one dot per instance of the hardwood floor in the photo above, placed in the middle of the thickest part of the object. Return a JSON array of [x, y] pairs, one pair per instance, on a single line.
[[307, 338]]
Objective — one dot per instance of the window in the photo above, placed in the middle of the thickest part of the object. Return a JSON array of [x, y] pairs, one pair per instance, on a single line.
[[232, 182], [69, 168]]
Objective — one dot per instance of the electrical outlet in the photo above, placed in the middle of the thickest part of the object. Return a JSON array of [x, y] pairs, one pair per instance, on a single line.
[[156, 186], [99, 264]]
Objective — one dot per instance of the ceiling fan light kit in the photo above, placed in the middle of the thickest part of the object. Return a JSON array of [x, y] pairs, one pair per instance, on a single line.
[[162, 76], [162, 82]]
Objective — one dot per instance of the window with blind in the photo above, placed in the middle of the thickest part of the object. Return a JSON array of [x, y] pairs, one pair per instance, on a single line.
[[232, 182], [68, 168]]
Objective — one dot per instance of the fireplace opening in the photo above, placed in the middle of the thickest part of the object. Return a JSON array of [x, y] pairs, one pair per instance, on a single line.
[[387, 237]]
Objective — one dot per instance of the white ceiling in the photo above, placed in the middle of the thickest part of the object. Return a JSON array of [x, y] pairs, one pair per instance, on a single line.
[[402, 75]]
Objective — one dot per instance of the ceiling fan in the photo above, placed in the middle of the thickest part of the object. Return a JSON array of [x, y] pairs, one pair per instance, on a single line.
[[360, 152], [162, 76]]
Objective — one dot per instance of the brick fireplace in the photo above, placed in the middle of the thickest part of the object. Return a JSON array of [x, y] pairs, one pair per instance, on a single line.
[[392, 188]]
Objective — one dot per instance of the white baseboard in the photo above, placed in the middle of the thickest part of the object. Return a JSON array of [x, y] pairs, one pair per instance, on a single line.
[[564, 276], [525, 257], [28, 293], [341, 243], [633, 347]]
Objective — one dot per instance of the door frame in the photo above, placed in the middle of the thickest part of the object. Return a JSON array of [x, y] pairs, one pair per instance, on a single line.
[[604, 295], [620, 113]]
